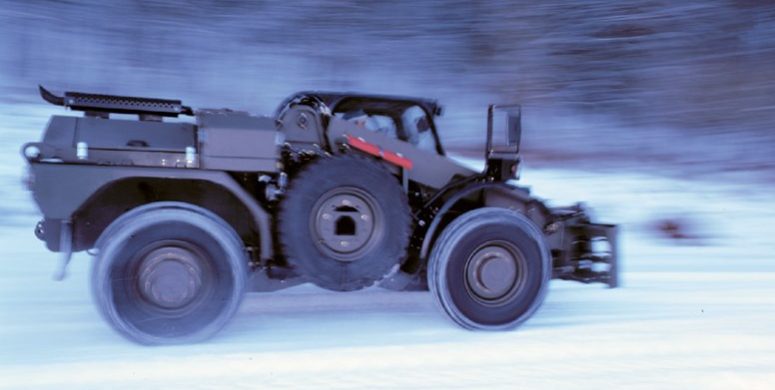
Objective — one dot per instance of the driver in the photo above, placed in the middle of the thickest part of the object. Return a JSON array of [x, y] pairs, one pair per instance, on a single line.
[[358, 117]]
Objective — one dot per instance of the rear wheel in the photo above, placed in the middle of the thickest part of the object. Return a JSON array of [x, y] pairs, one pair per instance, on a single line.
[[489, 269], [168, 273]]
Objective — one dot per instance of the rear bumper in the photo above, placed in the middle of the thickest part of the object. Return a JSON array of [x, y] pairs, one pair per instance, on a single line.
[[50, 232]]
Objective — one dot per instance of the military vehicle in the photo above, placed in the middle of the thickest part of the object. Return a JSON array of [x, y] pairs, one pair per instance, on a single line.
[[342, 190]]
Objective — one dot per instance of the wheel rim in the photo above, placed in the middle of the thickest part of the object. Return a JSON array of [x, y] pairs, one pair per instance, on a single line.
[[495, 273], [170, 276], [345, 223]]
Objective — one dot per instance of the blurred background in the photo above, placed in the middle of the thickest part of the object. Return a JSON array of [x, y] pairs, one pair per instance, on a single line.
[[683, 88], [616, 95]]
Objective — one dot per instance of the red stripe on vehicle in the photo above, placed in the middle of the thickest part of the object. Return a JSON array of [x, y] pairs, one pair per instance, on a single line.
[[374, 150], [397, 159], [360, 144]]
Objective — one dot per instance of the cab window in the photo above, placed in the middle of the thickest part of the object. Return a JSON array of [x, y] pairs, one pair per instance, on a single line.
[[417, 129], [410, 124]]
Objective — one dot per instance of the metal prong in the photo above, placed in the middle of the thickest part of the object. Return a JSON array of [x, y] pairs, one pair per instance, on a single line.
[[66, 248]]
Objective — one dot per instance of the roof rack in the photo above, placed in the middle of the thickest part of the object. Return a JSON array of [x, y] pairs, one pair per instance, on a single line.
[[102, 105]]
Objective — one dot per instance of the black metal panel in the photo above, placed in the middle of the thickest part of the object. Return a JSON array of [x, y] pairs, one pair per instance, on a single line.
[[236, 141], [92, 102], [117, 134]]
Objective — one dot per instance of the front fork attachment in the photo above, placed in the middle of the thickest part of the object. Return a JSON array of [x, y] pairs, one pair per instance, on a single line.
[[591, 254]]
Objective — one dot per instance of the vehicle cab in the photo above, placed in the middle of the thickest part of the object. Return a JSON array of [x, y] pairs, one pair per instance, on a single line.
[[407, 119]]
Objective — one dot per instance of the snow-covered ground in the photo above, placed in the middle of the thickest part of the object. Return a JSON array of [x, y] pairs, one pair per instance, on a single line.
[[697, 312]]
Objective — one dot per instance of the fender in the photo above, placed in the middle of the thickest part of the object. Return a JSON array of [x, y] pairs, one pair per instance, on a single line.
[[430, 234], [61, 189]]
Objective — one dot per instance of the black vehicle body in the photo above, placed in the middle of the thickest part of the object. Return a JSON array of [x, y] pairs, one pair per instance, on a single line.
[[88, 171]]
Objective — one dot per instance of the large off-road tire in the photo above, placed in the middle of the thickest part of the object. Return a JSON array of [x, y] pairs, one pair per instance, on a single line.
[[168, 273], [489, 269], [345, 222]]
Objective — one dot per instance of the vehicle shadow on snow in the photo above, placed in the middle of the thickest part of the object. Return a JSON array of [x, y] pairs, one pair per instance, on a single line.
[[375, 316], [307, 317]]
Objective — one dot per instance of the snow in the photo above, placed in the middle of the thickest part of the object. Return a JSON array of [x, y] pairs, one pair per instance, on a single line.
[[692, 313]]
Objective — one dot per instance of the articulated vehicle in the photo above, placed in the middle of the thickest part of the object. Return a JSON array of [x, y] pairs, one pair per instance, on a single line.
[[338, 189]]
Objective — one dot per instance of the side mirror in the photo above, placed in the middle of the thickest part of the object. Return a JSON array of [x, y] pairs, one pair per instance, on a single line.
[[515, 128], [504, 129]]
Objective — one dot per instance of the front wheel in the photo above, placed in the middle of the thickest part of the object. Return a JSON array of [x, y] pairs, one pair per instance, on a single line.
[[169, 274], [489, 269]]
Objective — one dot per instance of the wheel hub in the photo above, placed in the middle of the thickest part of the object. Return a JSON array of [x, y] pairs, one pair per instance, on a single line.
[[492, 272], [170, 277], [344, 223]]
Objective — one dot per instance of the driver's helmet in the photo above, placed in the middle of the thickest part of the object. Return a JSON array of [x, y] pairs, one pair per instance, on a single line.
[[359, 117]]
